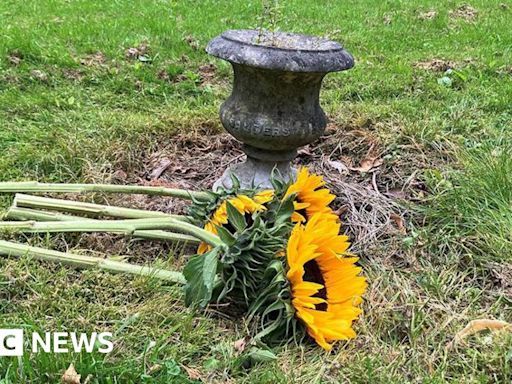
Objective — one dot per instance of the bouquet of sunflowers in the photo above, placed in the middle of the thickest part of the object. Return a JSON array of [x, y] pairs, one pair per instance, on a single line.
[[275, 256]]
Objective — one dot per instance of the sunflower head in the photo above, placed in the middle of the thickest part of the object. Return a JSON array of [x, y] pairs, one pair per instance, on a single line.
[[314, 287], [243, 204], [311, 196], [325, 284]]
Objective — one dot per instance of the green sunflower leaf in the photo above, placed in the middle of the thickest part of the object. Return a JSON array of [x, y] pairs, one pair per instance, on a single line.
[[285, 210], [200, 273], [235, 181], [274, 268], [226, 236], [235, 218], [276, 179]]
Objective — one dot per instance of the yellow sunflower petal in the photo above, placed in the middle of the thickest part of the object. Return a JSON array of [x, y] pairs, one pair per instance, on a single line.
[[306, 288], [297, 217], [312, 197], [298, 206], [264, 197], [203, 248]]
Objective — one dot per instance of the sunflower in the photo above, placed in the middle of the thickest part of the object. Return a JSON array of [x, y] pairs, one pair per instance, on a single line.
[[244, 205], [325, 284], [311, 197]]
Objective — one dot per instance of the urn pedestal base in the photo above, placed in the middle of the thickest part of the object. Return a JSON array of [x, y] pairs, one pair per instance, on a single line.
[[255, 173]]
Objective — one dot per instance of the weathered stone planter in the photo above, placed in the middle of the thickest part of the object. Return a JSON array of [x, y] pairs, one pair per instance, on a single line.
[[274, 106]]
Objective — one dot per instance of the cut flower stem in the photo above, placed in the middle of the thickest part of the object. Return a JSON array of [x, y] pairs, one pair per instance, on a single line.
[[15, 213], [89, 209], [34, 186], [81, 261]]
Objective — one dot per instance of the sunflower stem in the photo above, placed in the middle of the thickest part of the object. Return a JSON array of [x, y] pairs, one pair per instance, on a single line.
[[81, 261], [15, 213], [34, 186], [127, 227], [88, 209]]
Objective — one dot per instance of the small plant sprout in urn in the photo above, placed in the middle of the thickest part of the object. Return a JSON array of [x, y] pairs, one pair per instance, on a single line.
[[274, 106]]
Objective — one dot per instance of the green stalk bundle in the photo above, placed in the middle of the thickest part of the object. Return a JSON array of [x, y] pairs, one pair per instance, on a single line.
[[126, 227], [88, 209], [15, 213]]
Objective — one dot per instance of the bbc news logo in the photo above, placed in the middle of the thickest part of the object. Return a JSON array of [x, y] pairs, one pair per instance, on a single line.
[[12, 342]]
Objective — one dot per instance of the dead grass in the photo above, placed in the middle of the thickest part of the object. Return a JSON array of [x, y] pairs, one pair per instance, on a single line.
[[374, 178], [436, 65], [371, 185]]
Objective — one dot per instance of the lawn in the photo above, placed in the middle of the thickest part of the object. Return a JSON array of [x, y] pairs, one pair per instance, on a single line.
[[101, 91]]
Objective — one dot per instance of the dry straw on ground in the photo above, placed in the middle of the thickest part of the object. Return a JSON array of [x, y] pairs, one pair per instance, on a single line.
[[368, 200]]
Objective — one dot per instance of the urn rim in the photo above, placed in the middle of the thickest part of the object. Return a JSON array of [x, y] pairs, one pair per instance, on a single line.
[[284, 51]]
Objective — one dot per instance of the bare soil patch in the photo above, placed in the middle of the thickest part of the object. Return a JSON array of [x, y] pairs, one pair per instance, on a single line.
[[465, 12], [14, 58], [435, 65], [139, 52], [97, 59], [429, 15], [370, 183], [73, 74]]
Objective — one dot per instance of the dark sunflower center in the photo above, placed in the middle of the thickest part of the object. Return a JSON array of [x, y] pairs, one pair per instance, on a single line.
[[313, 274]]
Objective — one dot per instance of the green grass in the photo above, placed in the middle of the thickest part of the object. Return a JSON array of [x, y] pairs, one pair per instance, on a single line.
[[471, 209], [82, 122]]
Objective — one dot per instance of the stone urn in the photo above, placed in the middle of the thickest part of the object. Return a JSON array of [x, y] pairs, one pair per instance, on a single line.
[[274, 106]]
